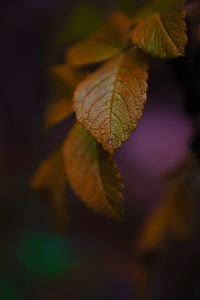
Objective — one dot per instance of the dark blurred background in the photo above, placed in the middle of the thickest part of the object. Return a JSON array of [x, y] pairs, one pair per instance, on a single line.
[[95, 259]]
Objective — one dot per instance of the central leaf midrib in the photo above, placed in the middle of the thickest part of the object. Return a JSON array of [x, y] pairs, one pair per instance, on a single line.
[[113, 93], [166, 32]]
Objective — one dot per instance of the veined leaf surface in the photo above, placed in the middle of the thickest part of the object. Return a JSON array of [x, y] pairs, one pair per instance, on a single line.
[[93, 173], [110, 101], [161, 30]]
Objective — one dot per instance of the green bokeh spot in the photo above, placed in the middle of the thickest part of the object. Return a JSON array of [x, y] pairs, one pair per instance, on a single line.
[[7, 290], [83, 20], [46, 255]]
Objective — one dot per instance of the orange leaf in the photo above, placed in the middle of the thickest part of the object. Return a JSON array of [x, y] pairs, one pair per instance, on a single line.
[[161, 33], [93, 173], [65, 79], [110, 40], [58, 111], [90, 52], [110, 101], [68, 75]]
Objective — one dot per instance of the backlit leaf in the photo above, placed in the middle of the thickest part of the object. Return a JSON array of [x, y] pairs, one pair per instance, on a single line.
[[93, 173], [49, 182], [90, 52], [161, 33], [110, 101]]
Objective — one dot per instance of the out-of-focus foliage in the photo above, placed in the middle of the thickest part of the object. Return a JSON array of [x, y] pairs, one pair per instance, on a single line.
[[49, 181], [64, 80], [58, 111], [175, 215], [110, 40], [112, 68], [90, 52], [173, 220], [115, 31]]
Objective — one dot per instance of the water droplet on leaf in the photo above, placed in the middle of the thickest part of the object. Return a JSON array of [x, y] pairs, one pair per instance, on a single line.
[[110, 141]]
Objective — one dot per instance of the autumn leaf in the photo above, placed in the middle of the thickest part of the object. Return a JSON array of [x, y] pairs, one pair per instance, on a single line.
[[68, 75], [175, 214], [109, 103], [58, 111], [93, 173], [90, 52], [161, 30], [110, 40], [64, 81], [49, 183]]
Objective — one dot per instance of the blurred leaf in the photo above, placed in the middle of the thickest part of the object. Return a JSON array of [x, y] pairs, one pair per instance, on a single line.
[[115, 32], [160, 30], [64, 81], [110, 101], [70, 76], [93, 174], [58, 112], [175, 215], [49, 182], [111, 39], [90, 52]]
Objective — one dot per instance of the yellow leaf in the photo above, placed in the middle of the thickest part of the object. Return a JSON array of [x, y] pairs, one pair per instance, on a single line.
[[110, 101], [90, 52], [58, 111], [93, 173], [161, 33], [175, 214], [49, 182]]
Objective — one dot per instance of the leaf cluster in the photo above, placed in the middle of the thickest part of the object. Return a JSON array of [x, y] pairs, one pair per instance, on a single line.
[[104, 81]]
